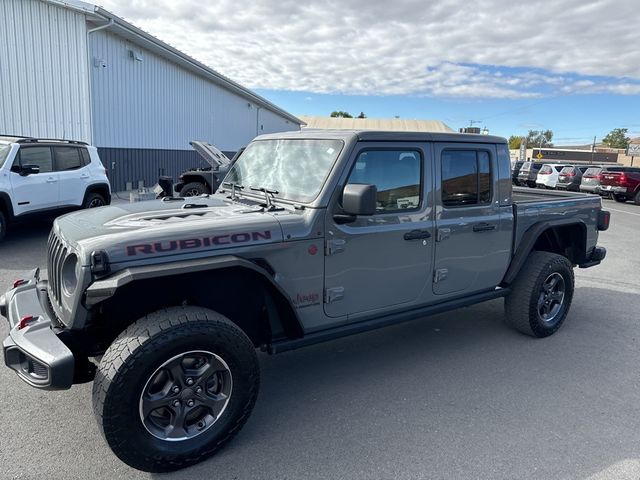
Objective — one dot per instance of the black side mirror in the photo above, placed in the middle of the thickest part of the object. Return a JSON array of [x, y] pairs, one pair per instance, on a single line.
[[359, 199], [29, 170]]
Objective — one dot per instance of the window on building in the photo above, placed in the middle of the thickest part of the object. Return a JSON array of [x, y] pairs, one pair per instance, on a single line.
[[40, 156], [67, 158], [466, 177], [395, 173]]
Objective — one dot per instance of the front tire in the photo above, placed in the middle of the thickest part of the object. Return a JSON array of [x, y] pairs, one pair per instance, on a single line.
[[174, 387], [636, 198], [3, 225], [541, 295], [194, 189], [619, 198]]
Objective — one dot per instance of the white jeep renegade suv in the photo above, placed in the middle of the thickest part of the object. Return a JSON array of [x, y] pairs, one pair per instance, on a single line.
[[48, 177]]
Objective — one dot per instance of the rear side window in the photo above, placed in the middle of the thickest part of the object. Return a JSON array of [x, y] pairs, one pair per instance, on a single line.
[[67, 158], [466, 177], [86, 159], [395, 173], [40, 156]]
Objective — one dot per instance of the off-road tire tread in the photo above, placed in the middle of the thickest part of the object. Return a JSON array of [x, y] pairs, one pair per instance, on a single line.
[[518, 306], [130, 345]]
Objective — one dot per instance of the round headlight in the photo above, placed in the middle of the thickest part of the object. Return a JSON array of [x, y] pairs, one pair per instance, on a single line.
[[69, 277]]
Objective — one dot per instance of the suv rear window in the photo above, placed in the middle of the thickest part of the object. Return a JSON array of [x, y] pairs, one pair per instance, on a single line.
[[567, 170], [67, 158], [592, 172], [545, 169]]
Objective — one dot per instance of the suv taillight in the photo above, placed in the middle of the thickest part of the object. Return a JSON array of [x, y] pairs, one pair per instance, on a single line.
[[623, 178]]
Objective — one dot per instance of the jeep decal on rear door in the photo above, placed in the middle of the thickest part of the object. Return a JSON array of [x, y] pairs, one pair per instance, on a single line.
[[191, 243]]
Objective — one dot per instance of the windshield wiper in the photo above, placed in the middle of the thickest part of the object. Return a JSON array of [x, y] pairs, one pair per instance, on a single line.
[[268, 197], [233, 186]]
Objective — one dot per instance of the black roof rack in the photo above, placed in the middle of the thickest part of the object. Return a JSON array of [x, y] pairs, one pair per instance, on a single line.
[[11, 135], [49, 140]]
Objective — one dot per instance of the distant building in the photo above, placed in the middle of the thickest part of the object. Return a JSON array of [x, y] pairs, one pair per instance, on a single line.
[[393, 124], [70, 69]]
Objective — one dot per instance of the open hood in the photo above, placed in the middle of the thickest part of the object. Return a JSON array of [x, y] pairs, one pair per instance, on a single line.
[[211, 155]]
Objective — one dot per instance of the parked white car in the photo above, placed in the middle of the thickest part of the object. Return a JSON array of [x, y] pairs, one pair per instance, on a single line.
[[548, 175], [48, 177]]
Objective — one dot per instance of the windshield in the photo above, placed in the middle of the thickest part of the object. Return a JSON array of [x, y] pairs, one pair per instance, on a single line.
[[295, 169], [4, 153]]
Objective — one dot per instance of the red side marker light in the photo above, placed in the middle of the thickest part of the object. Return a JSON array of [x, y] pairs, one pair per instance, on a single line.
[[313, 250], [17, 283], [25, 321]]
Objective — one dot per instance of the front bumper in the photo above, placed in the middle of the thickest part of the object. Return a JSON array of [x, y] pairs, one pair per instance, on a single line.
[[34, 352]]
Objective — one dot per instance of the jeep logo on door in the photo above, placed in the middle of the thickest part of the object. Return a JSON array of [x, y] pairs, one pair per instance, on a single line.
[[194, 243]]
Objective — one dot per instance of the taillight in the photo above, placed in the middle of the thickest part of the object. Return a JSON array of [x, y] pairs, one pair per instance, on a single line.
[[570, 174], [604, 218], [599, 177], [623, 178]]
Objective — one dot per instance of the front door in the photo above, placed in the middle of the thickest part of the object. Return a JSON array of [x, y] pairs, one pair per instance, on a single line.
[[38, 191], [382, 260], [473, 244]]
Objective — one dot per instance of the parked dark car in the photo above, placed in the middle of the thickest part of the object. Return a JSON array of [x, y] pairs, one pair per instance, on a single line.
[[622, 183], [570, 177], [529, 173], [515, 171]]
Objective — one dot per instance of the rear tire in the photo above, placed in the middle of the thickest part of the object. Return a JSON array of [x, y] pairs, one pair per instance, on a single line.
[[619, 198], [194, 189], [93, 200], [153, 395], [541, 295], [636, 199]]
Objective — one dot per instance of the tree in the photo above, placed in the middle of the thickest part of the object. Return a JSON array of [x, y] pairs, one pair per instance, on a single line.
[[514, 142], [340, 114], [539, 138], [362, 115], [617, 138]]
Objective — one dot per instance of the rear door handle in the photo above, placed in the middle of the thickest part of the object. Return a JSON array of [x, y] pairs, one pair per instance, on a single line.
[[51, 180], [417, 235], [483, 227]]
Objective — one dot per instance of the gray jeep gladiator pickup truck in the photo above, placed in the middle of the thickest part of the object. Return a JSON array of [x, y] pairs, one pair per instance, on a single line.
[[313, 235]]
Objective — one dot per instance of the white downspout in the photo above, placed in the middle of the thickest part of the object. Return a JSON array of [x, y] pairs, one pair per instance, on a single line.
[[89, 77]]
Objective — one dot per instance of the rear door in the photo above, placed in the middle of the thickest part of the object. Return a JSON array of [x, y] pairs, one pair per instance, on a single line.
[[473, 243], [383, 260], [73, 172], [38, 191]]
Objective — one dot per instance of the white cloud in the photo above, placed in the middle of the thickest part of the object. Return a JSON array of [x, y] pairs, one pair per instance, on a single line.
[[374, 47]]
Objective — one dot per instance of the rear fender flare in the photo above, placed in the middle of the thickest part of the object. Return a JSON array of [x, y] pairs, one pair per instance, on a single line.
[[529, 240]]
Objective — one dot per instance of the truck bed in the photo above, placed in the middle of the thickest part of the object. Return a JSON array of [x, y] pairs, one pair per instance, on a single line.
[[531, 206]]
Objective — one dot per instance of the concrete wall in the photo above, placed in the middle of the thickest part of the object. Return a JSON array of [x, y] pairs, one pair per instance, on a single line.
[[44, 81]]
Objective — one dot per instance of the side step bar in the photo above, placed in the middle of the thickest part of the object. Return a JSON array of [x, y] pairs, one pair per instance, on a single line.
[[378, 322]]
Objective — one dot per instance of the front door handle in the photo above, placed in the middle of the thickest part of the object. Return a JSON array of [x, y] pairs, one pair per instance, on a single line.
[[84, 175], [417, 235], [483, 227]]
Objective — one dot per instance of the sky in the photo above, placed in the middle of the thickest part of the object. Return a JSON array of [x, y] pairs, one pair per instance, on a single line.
[[571, 66]]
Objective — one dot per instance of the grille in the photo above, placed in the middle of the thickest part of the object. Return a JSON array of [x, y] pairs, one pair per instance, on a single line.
[[56, 255]]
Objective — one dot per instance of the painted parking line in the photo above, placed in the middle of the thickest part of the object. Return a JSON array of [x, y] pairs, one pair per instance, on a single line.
[[622, 211]]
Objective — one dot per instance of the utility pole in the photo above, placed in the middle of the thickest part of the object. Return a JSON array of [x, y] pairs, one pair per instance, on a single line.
[[593, 149]]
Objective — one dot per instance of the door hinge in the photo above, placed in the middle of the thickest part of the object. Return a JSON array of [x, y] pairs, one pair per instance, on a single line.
[[333, 294], [440, 274], [443, 234], [334, 246]]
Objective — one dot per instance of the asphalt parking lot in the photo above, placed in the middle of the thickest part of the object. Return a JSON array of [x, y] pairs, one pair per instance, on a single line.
[[457, 395]]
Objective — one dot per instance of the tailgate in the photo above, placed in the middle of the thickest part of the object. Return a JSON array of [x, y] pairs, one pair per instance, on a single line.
[[611, 178]]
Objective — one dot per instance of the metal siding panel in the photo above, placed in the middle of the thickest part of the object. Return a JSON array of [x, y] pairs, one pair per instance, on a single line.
[[43, 71], [157, 104]]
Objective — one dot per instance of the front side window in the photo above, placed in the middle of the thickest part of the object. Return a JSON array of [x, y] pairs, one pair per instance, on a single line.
[[396, 175], [40, 156], [466, 177], [67, 158]]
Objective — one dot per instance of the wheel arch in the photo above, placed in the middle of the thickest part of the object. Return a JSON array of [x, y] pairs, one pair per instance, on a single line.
[[100, 188], [564, 237], [6, 206], [242, 290], [192, 177]]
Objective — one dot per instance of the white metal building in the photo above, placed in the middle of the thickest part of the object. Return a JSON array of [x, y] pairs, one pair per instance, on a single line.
[[72, 70]]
